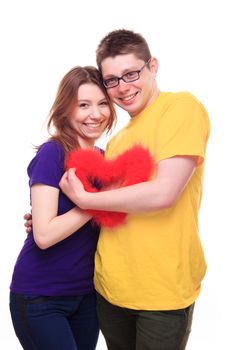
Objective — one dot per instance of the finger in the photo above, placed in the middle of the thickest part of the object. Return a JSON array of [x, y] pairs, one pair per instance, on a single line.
[[71, 175], [71, 172], [27, 216], [63, 179], [28, 223], [28, 230]]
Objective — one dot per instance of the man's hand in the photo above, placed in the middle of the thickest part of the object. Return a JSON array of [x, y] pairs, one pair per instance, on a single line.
[[71, 186], [28, 222]]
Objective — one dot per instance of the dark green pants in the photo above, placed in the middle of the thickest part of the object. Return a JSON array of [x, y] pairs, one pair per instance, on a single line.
[[127, 329]]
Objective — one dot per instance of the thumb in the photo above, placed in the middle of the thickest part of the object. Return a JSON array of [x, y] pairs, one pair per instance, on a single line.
[[71, 173]]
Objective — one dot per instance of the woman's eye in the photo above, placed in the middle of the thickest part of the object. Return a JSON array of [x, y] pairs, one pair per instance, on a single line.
[[83, 105], [104, 103]]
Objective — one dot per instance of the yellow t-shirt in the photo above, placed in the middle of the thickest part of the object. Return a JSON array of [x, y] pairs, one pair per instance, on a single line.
[[155, 261]]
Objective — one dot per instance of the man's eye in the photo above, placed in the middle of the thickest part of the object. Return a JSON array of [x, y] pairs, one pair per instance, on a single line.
[[111, 81], [131, 75]]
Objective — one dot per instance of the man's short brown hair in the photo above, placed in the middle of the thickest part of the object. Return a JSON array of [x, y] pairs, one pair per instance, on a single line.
[[122, 42]]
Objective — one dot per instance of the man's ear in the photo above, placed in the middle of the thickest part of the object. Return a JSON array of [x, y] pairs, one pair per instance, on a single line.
[[154, 65]]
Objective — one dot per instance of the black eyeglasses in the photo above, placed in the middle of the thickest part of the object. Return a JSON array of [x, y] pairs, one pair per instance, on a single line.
[[127, 77]]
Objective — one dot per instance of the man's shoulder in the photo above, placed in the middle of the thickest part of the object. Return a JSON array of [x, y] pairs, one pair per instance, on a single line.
[[175, 96], [183, 98]]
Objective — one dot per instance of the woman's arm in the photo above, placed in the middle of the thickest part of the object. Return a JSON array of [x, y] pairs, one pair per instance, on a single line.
[[48, 228], [173, 174]]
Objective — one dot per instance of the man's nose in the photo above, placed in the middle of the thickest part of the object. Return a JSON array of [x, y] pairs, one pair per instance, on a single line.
[[123, 86]]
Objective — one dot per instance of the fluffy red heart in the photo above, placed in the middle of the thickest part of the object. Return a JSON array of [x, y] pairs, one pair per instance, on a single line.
[[98, 174]]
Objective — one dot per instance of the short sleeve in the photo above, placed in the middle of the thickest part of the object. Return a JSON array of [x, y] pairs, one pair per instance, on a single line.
[[183, 130], [47, 167]]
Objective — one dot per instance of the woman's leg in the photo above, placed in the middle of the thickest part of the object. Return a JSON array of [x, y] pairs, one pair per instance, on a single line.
[[20, 325], [84, 323], [46, 323]]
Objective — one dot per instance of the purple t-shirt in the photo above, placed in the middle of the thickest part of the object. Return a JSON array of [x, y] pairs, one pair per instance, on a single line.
[[67, 267]]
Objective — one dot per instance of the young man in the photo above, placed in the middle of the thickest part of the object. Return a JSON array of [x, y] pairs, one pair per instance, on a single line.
[[148, 272]]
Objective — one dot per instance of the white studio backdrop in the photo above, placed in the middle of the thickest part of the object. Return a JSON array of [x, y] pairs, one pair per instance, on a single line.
[[192, 39]]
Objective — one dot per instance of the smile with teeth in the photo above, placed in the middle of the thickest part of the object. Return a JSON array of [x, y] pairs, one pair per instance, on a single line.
[[128, 98], [93, 125]]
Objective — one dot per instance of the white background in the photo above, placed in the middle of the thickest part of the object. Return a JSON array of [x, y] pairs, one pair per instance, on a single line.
[[192, 39]]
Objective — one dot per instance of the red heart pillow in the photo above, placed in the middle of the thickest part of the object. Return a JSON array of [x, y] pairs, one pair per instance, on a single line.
[[98, 174]]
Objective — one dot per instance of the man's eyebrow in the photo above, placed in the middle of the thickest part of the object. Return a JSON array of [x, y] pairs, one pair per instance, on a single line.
[[127, 70]]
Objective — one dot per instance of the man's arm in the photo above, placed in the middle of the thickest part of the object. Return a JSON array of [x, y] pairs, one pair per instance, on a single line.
[[28, 222], [173, 174]]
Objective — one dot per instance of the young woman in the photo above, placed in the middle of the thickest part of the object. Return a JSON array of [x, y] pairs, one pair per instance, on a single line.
[[52, 297]]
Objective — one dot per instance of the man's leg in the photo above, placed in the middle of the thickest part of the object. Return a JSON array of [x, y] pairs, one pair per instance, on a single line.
[[163, 330], [117, 324], [188, 328]]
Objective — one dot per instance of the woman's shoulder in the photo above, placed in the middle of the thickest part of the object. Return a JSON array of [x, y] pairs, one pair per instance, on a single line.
[[51, 146], [51, 149], [49, 153]]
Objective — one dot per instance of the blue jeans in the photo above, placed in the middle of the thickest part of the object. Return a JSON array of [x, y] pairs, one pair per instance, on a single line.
[[55, 323]]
